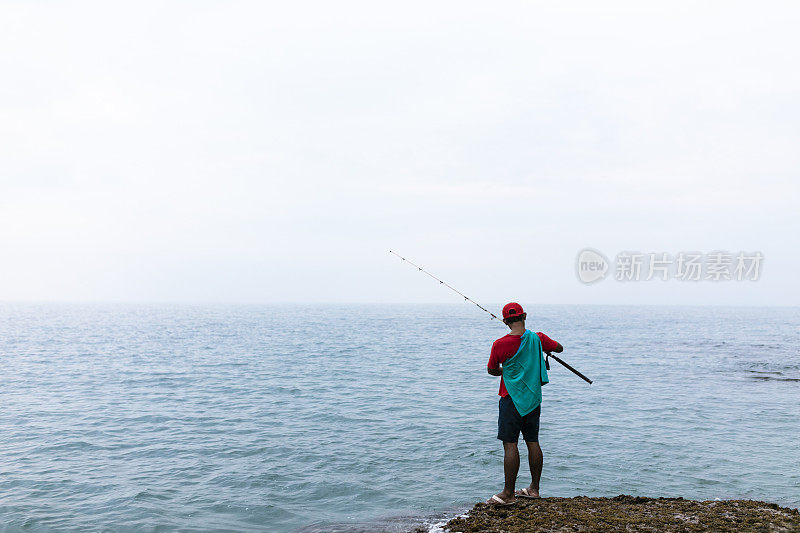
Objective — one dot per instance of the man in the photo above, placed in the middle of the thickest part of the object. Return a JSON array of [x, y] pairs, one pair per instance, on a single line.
[[523, 371]]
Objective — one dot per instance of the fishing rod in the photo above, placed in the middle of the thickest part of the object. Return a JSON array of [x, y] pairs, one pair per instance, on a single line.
[[494, 317]]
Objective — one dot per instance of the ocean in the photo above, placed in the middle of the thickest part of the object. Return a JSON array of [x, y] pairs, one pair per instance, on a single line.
[[375, 417]]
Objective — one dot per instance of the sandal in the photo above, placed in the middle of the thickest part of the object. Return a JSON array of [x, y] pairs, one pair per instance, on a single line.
[[499, 502]]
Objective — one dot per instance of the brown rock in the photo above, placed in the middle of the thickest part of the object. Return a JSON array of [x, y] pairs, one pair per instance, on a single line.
[[627, 513]]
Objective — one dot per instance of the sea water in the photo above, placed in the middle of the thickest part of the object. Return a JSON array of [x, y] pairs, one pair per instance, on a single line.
[[375, 417]]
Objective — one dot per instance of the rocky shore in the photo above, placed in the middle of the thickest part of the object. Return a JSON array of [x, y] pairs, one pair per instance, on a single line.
[[627, 513]]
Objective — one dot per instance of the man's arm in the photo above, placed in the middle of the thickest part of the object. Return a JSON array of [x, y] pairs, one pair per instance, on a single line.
[[493, 367], [549, 345]]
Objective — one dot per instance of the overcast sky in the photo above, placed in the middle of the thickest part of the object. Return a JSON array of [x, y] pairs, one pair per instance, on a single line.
[[275, 151]]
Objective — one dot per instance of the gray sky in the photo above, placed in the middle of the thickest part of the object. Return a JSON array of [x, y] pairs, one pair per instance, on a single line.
[[275, 151]]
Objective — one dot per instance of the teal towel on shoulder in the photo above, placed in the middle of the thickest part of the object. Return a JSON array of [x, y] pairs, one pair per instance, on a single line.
[[525, 373]]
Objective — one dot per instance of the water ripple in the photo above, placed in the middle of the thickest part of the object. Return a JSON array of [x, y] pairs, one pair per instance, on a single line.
[[374, 417]]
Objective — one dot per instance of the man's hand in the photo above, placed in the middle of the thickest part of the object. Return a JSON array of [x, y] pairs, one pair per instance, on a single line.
[[495, 371], [559, 348]]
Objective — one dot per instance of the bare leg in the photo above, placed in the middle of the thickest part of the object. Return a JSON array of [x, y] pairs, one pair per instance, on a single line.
[[535, 460], [511, 469]]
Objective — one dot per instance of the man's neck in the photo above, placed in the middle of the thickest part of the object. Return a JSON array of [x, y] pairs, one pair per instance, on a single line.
[[517, 328]]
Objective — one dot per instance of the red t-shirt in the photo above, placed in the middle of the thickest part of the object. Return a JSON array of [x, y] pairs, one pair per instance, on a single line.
[[505, 348]]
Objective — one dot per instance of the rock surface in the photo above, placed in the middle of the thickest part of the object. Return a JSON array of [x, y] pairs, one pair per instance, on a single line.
[[627, 513]]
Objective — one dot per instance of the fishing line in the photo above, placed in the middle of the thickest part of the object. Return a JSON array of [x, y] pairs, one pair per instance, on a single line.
[[482, 308]]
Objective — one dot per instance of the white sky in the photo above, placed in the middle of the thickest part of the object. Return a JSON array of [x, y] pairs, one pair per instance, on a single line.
[[275, 151]]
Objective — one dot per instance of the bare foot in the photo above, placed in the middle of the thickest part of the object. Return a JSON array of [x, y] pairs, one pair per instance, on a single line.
[[528, 492]]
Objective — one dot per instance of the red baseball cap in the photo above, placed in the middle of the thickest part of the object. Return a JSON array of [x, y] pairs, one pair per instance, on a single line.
[[512, 309]]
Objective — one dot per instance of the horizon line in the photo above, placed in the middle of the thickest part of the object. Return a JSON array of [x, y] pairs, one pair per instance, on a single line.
[[321, 303]]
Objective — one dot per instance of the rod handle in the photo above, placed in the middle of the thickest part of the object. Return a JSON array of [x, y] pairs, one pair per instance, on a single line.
[[584, 378]]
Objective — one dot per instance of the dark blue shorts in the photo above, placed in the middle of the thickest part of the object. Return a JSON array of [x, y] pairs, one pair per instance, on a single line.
[[510, 423]]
